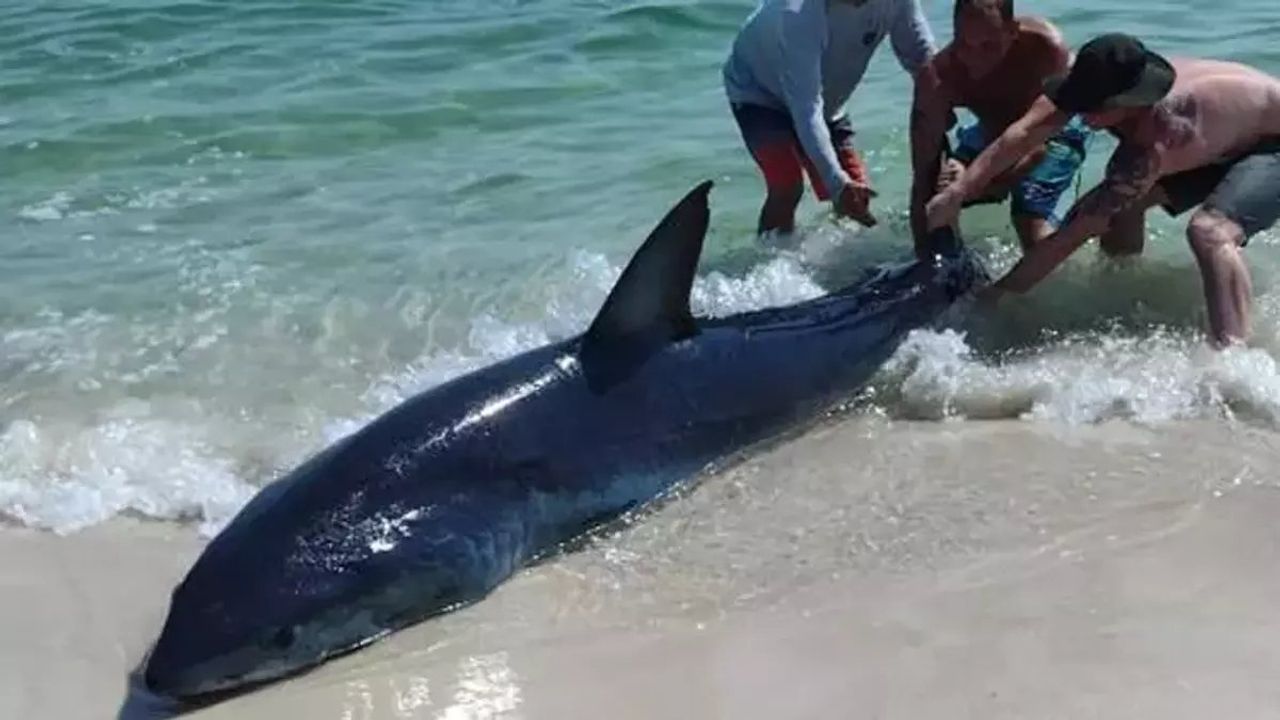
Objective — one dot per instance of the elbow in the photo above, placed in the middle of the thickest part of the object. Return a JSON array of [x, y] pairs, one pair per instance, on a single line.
[[1014, 138]]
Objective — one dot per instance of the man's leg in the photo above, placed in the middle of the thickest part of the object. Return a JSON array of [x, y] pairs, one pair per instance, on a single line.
[[1216, 239], [779, 210], [1048, 175], [1245, 202], [1033, 207], [772, 143], [1032, 229], [1127, 234]]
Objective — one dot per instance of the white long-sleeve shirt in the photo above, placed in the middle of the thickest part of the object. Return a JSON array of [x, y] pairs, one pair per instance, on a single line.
[[806, 57]]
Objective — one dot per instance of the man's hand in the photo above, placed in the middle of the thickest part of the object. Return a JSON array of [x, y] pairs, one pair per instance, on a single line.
[[951, 171], [944, 208], [854, 201]]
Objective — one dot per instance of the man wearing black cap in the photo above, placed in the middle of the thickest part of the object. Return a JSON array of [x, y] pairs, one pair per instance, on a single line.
[[1192, 133]]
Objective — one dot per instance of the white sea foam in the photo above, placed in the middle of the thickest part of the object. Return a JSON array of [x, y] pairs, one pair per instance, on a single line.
[[183, 417], [186, 459]]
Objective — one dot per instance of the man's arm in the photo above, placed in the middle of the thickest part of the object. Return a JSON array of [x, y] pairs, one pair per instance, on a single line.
[[1052, 56], [1131, 173], [931, 109], [1049, 57], [804, 36], [911, 37], [1032, 130]]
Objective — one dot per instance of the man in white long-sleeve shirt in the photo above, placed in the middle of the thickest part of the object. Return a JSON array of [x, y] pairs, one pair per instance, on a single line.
[[794, 65]]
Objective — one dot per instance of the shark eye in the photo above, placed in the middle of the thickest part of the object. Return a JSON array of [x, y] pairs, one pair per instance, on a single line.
[[283, 637]]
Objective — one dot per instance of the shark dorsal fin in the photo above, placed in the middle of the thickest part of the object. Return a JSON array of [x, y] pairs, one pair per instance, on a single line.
[[651, 298], [649, 305]]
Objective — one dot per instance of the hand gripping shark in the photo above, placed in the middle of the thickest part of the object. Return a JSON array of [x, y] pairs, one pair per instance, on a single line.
[[444, 497]]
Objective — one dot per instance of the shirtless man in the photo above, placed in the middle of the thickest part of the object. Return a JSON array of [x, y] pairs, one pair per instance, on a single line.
[[996, 68], [1192, 132]]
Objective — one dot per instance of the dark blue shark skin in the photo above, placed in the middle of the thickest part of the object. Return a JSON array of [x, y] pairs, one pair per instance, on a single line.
[[444, 497]]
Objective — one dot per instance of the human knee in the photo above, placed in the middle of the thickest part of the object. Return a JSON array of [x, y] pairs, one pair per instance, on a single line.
[[1210, 231], [1125, 236], [1032, 229], [786, 194]]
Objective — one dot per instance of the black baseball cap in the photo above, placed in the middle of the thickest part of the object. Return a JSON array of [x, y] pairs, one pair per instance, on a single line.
[[1111, 71]]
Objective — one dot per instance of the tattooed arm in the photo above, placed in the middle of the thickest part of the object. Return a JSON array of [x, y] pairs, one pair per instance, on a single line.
[[1131, 174]]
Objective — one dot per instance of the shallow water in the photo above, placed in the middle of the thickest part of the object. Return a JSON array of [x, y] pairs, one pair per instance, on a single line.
[[235, 232]]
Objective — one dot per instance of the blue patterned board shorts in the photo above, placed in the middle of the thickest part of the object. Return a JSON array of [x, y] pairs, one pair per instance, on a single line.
[[1038, 193]]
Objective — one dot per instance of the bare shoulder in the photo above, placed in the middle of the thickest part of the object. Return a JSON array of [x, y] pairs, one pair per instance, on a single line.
[[1224, 86], [1040, 31], [1042, 40], [1194, 69]]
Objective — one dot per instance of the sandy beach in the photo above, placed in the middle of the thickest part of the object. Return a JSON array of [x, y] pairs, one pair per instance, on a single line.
[[866, 569]]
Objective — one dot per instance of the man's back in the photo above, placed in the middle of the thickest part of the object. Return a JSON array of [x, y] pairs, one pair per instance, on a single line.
[[1216, 109], [785, 43]]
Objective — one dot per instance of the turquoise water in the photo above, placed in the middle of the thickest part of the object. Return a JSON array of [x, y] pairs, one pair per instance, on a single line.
[[234, 231]]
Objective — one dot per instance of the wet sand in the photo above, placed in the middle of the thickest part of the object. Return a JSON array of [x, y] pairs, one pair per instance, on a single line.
[[868, 569]]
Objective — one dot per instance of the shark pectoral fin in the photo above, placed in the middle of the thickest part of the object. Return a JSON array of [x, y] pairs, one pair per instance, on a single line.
[[649, 305]]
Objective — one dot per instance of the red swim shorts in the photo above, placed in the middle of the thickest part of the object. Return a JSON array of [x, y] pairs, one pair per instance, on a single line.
[[772, 140]]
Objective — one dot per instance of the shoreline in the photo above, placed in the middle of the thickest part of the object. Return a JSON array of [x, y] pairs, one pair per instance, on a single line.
[[1108, 578]]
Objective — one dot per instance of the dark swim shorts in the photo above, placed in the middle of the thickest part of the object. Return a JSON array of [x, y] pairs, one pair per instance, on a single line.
[[1245, 188]]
